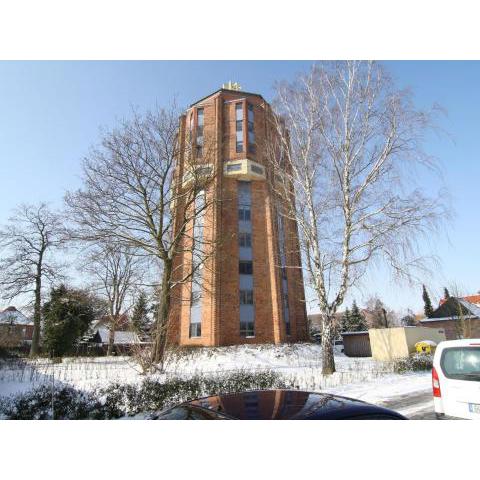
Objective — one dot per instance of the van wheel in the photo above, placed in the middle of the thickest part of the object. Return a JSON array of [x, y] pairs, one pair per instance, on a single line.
[[439, 416]]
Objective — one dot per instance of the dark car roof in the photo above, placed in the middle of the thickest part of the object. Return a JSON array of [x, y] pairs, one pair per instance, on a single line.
[[289, 405]]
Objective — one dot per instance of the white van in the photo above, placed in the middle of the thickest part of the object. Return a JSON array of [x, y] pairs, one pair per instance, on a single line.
[[456, 379]]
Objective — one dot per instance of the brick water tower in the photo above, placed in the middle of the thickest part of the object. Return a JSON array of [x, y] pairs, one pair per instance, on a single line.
[[251, 289]]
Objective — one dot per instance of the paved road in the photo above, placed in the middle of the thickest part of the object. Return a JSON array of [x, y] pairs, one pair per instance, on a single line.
[[415, 406]]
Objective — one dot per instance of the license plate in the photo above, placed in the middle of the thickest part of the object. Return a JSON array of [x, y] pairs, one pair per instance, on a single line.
[[474, 408]]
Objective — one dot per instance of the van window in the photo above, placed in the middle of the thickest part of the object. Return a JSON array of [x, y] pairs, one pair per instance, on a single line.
[[461, 363]]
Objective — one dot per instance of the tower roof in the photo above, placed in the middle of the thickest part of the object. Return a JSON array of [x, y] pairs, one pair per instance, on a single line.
[[240, 93]]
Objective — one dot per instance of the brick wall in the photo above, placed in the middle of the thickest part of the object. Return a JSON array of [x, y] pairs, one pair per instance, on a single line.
[[220, 311]]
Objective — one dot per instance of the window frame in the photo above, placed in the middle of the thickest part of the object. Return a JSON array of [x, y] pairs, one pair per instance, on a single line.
[[247, 329], [251, 128], [239, 122], [245, 262], [245, 239], [245, 209], [195, 330], [246, 297], [199, 140]]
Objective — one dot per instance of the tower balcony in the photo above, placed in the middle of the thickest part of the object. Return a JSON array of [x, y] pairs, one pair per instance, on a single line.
[[198, 173], [244, 169]]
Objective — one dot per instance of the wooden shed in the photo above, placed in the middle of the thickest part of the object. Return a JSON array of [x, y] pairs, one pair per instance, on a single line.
[[356, 344]]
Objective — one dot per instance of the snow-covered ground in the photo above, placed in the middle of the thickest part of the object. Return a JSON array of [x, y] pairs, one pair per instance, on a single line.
[[300, 363], [387, 387], [361, 378]]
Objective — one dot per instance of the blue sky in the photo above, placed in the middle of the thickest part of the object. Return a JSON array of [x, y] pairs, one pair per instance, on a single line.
[[50, 113]]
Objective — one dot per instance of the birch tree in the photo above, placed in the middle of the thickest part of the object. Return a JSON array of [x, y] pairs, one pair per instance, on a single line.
[[346, 149], [135, 194], [28, 243]]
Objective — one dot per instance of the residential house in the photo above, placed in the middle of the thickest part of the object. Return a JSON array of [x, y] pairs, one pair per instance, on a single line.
[[459, 318], [96, 341], [475, 299], [15, 328]]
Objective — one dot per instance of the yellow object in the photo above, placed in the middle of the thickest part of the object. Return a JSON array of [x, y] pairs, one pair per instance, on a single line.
[[232, 86], [426, 346]]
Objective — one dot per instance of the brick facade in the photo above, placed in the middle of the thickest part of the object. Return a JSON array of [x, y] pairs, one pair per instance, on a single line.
[[220, 315]]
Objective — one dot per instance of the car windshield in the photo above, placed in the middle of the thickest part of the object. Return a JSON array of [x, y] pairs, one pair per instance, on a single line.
[[462, 363]]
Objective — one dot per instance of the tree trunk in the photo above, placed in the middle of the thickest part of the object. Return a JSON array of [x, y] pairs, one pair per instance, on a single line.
[[328, 361], [111, 341], [160, 344], [384, 312], [37, 314]]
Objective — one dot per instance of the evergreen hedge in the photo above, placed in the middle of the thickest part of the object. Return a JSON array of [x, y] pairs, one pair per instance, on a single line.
[[119, 400]]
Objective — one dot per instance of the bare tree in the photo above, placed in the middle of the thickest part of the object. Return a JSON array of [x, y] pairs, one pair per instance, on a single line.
[[29, 240], [378, 315], [409, 319], [348, 147], [135, 194], [116, 273], [460, 314]]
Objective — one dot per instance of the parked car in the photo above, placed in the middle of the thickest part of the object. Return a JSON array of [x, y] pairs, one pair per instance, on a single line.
[[277, 405], [456, 379]]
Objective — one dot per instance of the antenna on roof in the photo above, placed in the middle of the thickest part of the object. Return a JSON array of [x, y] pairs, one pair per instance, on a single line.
[[232, 86]]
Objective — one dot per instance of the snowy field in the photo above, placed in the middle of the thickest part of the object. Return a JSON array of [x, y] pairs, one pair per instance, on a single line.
[[361, 378]]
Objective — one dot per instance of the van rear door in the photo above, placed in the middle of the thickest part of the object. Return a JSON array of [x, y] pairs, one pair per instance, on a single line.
[[460, 382]]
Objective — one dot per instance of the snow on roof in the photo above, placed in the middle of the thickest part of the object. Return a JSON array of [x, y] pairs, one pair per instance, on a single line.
[[355, 333], [471, 307], [444, 319], [120, 337], [468, 306], [428, 342], [468, 298], [12, 316]]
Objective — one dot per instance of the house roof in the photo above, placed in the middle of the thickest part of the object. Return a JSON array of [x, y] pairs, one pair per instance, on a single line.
[[122, 323], [452, 308], [120, 338], [468, 298], [471, 307], [12, 316]]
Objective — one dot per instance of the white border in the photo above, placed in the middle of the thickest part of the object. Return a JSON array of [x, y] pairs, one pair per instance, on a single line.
[[147, 29], [214, 29]]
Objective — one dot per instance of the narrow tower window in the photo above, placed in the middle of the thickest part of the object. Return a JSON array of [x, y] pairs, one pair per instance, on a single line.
[[245, 265], [246, 297], [245, 239], [200, 122], [190, 128], [250, 129], [239, 127], [197, 249], [283, 267]]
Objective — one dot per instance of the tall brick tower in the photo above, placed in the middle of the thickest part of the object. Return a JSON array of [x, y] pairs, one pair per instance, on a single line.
[[250, 290]]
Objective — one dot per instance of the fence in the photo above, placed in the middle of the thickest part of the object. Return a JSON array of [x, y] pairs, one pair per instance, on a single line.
[[88, 373]]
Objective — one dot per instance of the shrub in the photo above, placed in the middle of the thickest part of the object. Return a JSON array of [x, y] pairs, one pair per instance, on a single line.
[[417, 362], [152, 395], [69, 404], [118, 400]]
